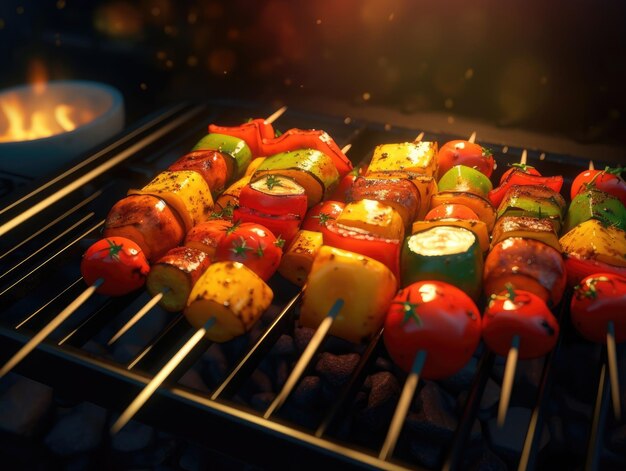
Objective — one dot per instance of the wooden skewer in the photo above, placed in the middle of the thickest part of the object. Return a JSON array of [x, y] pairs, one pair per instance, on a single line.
[[591, 166], [410, 385], [524, 158], [49, 328], [346, 148], [305, 358], [419, 137], [472, 138], [275, 115], [507, 381], [161, 376], [613, 371], [133, 320]]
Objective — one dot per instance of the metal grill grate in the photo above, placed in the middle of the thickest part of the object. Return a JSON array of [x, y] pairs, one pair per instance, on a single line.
[[44, 231]]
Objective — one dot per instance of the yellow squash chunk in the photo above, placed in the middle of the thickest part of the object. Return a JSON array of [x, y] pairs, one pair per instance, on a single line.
[[230, 196], [231, 293], [373, 216], [297, 260], [479, 228], [481, 206], [426, 187], [254, 165], [183, 190], [592, 240], [527, 227], [365, 285], [413, 157]]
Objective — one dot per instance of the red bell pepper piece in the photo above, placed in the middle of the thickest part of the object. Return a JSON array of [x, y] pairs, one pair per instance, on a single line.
[[295, 139], [579, 268], [285, 226], [518, 177], [384, 250], [253, 132]]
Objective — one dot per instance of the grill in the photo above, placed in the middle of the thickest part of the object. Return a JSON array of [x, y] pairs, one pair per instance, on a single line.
[[45, 229]]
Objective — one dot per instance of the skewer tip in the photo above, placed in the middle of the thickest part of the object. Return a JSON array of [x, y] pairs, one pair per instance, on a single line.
[[524, 157], [419, 137], [507, 380], [472, 138], [591, 166], [275, 115]]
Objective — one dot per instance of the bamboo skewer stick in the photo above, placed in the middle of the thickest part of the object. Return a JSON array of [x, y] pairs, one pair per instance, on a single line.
[[472, 138], [275, 115], [613, 371], [137, 317], [49, 328], [509, 378], [161, 376]]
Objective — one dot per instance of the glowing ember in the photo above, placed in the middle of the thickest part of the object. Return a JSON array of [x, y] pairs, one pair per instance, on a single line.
[[24, 124]]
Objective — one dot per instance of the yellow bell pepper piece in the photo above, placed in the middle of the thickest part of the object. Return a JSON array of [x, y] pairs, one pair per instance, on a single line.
[[230, 196], [373, 216], [542, 230], [297, 260], [592, 240], [412, 157], [365, 285], [254, 165], [231, 293]]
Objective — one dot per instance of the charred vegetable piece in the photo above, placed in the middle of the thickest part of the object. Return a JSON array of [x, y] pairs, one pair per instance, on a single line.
[[297, 139], [478, 204], [148, 221], [434, 317], [237, 149], [366, 286], [284, 226], [174, 275], [426, 187], [463, 178], [443, 253], [252, 132], [312, 169], [207, 235], [298, 258], [374, 217], [518, 167], [466, 153], [400, 194], [317, 216], [411, 157], [254, 165], [594, 241], [231, 293], [477, 227], [526, 227], [526, 264], [521, 178], [229, 199], [183, 190], [595, 204], [119, 262], [208, 163], [533, 201], [598, 300], [522, 313], [386, 251], [275, 195]]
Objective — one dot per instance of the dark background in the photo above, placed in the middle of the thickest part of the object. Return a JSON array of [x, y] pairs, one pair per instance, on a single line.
[[555, 67]]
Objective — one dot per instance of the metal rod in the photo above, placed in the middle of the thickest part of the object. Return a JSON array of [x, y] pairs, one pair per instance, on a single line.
[[161, 376], [507, 381], [305, 358], [594, 449], [472, 138], [133, 320], [403, 406], [49, 328], [611, 353], [275, 115]]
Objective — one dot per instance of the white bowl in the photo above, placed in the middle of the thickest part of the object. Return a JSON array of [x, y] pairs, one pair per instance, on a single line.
[[40, 157]]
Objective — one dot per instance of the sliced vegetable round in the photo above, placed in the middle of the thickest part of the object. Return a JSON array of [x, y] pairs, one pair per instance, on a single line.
[[118, 262], [274, 194], [597, 300], [434, 317], [521, 313]]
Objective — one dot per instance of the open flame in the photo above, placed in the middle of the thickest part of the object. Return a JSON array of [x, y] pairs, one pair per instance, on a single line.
[[43, 115]]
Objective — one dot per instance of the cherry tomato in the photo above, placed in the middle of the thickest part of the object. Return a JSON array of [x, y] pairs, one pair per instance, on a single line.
[[607, 180], [318, 215], [252, 245], [342, 191], [529, 169], [465, 153], [435, 317], [598, 299], [451, 210], [522, 313], [119, 262]]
